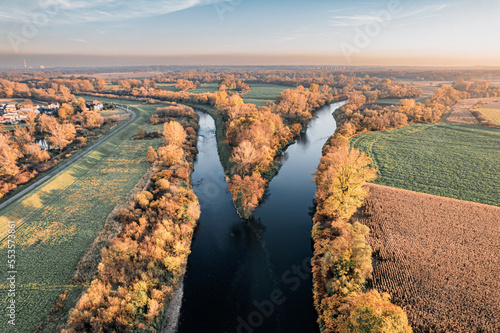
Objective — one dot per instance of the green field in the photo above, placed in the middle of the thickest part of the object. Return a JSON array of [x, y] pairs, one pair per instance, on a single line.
[[107, 113], [58, 221], [209, 87], [493, 115], [450, 160], [10, 127], [166, 86], [388, 101], [260, 93]]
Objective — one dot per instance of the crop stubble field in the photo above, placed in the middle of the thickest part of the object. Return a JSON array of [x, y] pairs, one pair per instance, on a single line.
[[437, 257], [61, 219], [462, 111], [491, 112], [451, 160]]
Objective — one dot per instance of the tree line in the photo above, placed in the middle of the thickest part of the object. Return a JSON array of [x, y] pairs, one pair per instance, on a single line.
[[359, 116], [342, 261], [143, 265]]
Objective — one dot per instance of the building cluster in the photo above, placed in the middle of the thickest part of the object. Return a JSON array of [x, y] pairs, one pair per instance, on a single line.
[[12, 113]]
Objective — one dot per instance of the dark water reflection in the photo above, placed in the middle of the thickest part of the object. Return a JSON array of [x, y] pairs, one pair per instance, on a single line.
[[254, 276]]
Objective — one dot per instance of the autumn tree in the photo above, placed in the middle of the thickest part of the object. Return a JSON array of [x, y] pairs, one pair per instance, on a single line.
[[31, 121], [247, 159], [65, 111], [91, 119], [151, 155], [372, 312], [174, 133], [61, 135], [80, 105], [141, 133], [100, 85], [171, 154], [47, 123], [340, 177], [38, 155], [65, 92], [8, 156], [24, 139], [246, 192], [183, 85]]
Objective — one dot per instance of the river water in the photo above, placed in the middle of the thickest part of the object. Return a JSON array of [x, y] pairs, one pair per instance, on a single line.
[[254, 276]]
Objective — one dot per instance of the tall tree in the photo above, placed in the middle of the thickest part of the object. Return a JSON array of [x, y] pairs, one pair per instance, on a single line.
[[174, 133], [151, 155], [341, 175]]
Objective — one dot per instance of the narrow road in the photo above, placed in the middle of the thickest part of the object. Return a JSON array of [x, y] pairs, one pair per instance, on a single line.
[[65, 165]]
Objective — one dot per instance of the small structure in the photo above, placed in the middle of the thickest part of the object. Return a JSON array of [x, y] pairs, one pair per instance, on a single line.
[[9, 108], [11, 118], [97, 105], [53, 106]]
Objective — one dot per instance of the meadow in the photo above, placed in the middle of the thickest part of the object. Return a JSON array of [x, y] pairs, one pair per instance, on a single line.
[[58, 221], [209, 87], [445, 159], [437, 258], [260, 93]]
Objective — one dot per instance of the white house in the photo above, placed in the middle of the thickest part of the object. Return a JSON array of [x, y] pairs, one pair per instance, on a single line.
[[97, 105], [53, 106]]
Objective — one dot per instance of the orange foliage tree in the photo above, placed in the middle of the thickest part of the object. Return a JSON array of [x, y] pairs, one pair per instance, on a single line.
[[174, 133], [246, 192]]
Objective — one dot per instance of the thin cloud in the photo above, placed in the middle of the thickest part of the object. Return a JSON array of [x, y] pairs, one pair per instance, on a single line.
[[70, 12], [79, 40], [6, 16], [354, 20], [364, 19]]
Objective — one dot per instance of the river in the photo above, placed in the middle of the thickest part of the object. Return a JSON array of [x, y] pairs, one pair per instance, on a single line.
[[254, 276]]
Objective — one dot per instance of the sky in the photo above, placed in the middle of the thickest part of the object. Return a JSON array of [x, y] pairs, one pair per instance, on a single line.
[[249, 32]]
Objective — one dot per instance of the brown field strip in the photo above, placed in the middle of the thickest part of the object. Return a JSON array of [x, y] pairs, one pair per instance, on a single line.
[[437, 257], [462, 111]]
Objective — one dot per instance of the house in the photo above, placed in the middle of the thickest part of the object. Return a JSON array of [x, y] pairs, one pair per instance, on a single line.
[[97, 105], [10, 108], [53, 106], [10, 118]]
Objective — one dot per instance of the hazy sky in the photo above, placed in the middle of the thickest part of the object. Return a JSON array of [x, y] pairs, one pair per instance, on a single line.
[[334, 32]]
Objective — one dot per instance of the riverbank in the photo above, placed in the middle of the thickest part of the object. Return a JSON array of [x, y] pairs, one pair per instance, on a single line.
[[237, 265], [145, 264], [342, 262]]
